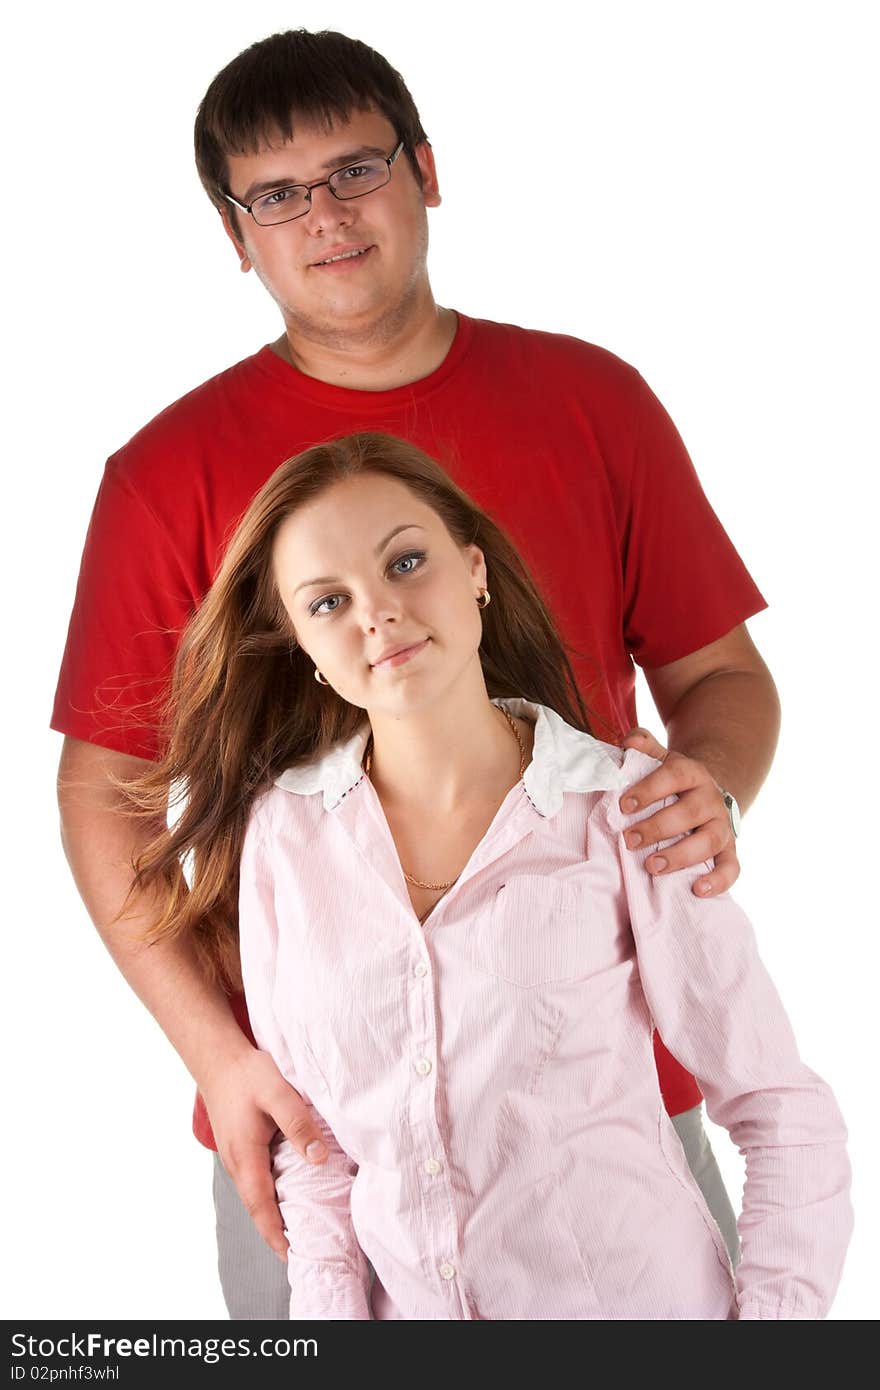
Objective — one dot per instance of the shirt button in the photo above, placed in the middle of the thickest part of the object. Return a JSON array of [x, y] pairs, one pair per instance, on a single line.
[[447, 1271], [421, 970], [423, 1066], [433, 1167]]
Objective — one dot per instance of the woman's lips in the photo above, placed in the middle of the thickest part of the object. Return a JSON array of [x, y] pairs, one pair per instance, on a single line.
[[399, 657]]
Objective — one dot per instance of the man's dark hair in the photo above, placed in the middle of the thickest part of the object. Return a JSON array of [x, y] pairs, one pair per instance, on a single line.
[[317, 78]]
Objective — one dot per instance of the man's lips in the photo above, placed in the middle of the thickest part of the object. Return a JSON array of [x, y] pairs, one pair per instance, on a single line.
[[398, 655], [344, 256]]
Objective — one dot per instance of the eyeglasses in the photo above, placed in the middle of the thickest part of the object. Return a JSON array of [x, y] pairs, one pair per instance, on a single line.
[[285, 204]]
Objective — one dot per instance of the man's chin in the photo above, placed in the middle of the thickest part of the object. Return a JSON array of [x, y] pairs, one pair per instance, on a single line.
[[345, 321]]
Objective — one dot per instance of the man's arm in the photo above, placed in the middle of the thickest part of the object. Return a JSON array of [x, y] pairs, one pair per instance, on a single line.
[[721, 710], [246, 1096], [720, 705]]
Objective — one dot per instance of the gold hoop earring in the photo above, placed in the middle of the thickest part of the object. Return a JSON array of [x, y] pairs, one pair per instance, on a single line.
[[322, 680], [484, 598]]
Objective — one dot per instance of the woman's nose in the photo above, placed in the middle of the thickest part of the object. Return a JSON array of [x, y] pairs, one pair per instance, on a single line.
[[378, 610]]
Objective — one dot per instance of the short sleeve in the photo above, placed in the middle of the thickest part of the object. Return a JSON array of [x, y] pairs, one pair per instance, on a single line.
[[131, 605], [685, 585]]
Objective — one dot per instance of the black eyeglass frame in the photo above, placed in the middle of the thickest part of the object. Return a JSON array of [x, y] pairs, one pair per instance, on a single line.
[[320, 183]]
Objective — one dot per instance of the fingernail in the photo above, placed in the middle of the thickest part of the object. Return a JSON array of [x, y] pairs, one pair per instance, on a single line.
[[704, 886], [315, 1151], [633, 839], [630, 804], [658, 864]]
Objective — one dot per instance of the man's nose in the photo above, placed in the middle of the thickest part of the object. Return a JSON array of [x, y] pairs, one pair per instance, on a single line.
[[327, 211]]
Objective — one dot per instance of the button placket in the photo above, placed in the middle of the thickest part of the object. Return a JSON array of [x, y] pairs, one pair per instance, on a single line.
[[428, 1152]]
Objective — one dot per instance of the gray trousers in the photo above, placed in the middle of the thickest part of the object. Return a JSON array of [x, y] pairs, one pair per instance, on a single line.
[[254, 1280]]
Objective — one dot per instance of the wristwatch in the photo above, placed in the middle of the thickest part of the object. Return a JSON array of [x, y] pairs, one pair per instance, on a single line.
[[732, 811]]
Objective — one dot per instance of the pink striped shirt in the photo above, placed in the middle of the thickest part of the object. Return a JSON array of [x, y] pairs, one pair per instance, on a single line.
[[485, 1082]]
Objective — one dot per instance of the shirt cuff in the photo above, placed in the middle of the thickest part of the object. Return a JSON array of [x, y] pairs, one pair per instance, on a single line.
[[751, 1311], [329, 1294]]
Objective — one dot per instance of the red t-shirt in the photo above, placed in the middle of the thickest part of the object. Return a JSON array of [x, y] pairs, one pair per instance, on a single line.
[[560, 441]]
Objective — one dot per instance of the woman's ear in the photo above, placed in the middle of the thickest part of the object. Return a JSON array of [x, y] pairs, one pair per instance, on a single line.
[[477, 562]]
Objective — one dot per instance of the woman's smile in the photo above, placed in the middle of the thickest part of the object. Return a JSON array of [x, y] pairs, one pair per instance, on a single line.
[[397, 656]]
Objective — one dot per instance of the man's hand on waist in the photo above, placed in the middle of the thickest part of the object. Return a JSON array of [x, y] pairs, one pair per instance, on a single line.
[[248, 1101]]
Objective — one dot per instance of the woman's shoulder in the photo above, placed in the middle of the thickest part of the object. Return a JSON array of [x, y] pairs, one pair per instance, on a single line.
[[577, 758], [274, 808], [570, 760]]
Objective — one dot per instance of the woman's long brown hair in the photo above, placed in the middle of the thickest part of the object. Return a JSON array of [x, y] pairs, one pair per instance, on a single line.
[[244, 704]]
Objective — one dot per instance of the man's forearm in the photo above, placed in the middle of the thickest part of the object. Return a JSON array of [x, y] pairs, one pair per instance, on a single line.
[[193, 1013], [730, 722], [100, 844], [167, 977]]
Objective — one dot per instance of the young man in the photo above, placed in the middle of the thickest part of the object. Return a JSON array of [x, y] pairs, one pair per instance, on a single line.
[[311, 149]]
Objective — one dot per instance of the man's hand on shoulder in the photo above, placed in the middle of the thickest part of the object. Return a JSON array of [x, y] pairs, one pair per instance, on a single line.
[[699, 815]]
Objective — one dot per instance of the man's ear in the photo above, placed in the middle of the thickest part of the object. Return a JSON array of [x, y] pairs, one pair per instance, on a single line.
[[243, 258], [428, 171]]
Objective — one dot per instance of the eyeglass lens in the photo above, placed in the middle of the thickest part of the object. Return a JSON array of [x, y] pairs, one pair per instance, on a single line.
[[352, 182]]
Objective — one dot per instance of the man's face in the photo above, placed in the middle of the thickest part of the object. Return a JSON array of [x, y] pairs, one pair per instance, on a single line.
[[353, 298]]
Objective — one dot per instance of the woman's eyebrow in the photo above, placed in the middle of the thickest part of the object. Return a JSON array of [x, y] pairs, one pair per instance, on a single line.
[[332, 578], [396, 532]]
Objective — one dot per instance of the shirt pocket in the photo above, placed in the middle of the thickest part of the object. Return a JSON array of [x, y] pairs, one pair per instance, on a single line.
[[536, 931]]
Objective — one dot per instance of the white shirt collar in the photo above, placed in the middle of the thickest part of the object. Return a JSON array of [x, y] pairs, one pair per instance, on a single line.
[[563, 760]]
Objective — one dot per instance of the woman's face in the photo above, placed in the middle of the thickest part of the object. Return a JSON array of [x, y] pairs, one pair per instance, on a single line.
[[381, 597]]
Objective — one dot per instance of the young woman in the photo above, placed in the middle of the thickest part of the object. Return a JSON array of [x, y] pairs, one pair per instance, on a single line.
[[394, 810]]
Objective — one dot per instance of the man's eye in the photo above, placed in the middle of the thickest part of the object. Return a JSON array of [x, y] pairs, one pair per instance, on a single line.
[[357, 171], [326, 605], [274, 200]]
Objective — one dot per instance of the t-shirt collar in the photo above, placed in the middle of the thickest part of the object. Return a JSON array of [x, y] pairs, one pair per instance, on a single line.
[[563, 760]]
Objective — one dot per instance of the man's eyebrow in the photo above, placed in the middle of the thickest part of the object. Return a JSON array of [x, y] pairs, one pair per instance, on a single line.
[[329, 167], [331, 579]]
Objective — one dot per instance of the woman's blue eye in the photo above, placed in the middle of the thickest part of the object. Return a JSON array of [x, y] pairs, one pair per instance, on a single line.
[[333, 599], [402, 566], [412, 560]]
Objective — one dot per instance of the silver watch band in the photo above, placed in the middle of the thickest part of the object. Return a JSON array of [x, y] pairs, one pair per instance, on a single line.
[[733, 811]]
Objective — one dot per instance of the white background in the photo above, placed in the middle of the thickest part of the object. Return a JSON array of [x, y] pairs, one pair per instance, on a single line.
[[688, 184]]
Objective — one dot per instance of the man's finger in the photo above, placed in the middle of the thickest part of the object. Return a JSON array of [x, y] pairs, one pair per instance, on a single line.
[[722, 877], [677, 775], [645, 742], [705, 843], [665, 824], [296, 1121], [256, 1188]]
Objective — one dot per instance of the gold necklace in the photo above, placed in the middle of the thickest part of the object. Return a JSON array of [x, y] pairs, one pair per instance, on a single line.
[[368, 763]]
